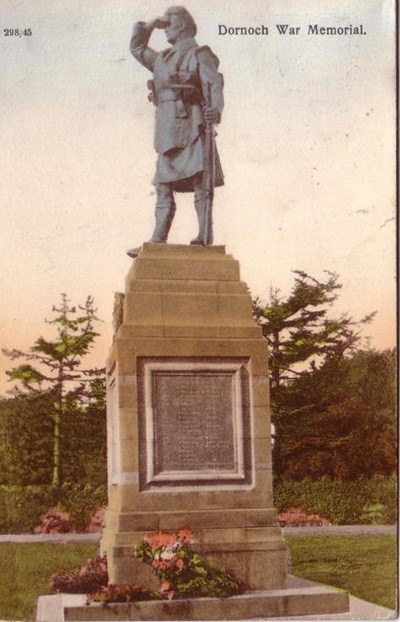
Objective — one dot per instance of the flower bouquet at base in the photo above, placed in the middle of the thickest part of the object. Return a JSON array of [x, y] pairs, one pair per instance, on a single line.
[[182, 572]]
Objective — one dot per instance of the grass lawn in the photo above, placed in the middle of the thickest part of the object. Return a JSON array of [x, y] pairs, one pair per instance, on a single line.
[[25, 570], [365, 566]]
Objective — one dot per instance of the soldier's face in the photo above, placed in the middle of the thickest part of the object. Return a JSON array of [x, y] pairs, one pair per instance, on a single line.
[[174, 28]]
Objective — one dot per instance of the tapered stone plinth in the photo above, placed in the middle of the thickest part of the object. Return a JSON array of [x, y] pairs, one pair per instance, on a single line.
[[188, 418]]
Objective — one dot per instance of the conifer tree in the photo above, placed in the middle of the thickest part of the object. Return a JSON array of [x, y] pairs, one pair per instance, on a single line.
[[53, 368], [298, 329], [308, 378]]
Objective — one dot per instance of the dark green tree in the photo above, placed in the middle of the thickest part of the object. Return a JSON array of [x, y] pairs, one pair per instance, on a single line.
[[340, 420], [26, 425], [53, 371], [346, 440], [298, 329], [331, 399]]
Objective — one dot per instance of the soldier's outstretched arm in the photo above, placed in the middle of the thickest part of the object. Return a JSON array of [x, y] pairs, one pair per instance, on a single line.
[[208, 71], [139, 42]]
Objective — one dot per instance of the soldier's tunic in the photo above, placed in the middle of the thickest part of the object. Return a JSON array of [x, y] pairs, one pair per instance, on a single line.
[[179, 128]]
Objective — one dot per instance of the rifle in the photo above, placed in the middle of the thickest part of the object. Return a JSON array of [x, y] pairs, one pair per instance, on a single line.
[[209, 172]]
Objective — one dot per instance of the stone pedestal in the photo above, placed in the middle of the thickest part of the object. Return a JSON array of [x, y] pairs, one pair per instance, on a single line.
[[188, 418]]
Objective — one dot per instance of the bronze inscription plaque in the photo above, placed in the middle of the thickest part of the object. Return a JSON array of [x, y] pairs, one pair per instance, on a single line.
[[193, 421]]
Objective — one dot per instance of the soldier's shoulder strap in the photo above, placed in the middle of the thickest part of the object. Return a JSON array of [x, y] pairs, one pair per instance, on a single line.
[[165, 52]]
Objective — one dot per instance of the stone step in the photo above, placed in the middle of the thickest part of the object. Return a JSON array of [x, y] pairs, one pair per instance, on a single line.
[[177, 331], [259, 604], [166, 308], [180, 262], [150, 521], [217, 539]]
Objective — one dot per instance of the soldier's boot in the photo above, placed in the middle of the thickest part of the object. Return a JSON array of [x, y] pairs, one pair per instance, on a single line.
[[164, 218], [165, 211], [200, 206]]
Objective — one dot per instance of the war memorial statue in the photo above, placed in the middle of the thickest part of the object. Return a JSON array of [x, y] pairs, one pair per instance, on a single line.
[[188, 407], [187, 91]]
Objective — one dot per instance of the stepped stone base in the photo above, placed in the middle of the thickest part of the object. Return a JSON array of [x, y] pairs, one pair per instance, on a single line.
[[316, 600]]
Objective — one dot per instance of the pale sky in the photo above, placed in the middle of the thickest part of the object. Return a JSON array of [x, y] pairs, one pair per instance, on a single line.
[[307, 144]]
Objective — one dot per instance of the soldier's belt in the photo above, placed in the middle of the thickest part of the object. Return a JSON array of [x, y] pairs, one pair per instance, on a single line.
[[175, 92], [166, 95]]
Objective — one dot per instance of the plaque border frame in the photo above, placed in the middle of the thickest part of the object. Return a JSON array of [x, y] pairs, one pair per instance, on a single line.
[[242, 475]]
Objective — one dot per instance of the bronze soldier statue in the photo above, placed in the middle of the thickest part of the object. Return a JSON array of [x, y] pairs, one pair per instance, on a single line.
[[187, 92]]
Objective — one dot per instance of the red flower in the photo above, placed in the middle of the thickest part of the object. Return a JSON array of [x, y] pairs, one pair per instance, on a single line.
[[165, 585], [185, 534], [160, 539]]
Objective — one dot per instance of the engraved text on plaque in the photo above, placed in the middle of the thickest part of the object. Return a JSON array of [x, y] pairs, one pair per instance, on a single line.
[[194, 421]]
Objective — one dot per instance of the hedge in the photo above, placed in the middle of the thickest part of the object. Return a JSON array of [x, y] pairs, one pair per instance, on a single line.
[[343, 502], [22, 507]]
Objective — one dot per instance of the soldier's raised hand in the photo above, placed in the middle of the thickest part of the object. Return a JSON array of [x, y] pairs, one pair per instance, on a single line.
[[157, 22]]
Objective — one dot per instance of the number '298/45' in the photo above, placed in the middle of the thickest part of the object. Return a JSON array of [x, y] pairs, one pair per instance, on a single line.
[[17, 32]]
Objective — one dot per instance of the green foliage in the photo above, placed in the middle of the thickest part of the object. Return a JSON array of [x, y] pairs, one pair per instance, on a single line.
[[298, 329], [81, 501], [21, 508], [364, 566], [342, 502], [182, 572], [83, 451], [367, 377], [373, 514], [345, 441], [210, 582], [26, 426], [57, 421], [372, 376], [26, 449], [333, 404], [61, 358], [339, 421]]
